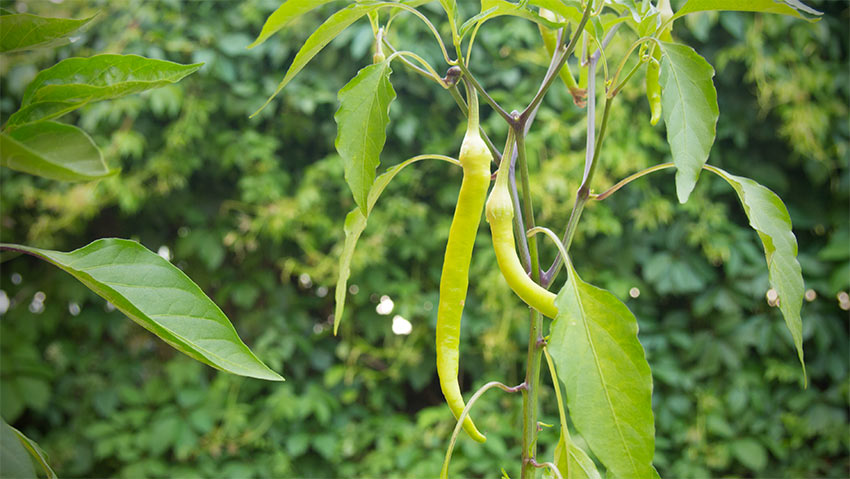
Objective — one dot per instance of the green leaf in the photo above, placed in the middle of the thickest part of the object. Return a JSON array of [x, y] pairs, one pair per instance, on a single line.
[[75, 82], [362, 120], [769, 217], [355, 223], [689, 105], [750, 453], [26, 32], [497, 8], [53, 150], [161, 298], [284, 15], [323, 35], [14, 459], [34, 451], [569, 10], [603, 367], [788, 7], [572, 462]]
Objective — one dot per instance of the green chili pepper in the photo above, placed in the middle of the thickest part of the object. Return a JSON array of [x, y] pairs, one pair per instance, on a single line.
[[653, 87], [500, 215], [475, 160]]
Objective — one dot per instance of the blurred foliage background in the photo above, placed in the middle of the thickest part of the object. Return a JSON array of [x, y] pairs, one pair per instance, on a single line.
[[252, 210]]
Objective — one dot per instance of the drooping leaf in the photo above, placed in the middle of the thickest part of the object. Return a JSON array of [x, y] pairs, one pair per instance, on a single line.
[[35, 452], [75, 82], [603, 367], [689, 107], [323, 35], [362, 120], [53, 150], [26, 32], [769, 217], [355, 223], [161, 298], [284, 15], [14, 459], [787, 7]]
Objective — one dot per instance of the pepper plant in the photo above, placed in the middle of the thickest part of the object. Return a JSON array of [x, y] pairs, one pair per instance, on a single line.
[[591, 345]]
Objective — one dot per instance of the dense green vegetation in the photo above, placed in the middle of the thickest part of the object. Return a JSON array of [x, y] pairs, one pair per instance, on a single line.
[[245, 209]]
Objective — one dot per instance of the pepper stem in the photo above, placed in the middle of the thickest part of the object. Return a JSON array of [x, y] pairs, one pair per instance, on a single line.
[[472, 104]]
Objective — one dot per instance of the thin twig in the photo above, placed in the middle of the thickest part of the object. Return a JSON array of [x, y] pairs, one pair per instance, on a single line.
[[610, 191], [489, 99], [553, 72], [544, 465], [444, 473]]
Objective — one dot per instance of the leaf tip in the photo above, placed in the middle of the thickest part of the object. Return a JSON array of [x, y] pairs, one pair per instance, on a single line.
[[256, 42]]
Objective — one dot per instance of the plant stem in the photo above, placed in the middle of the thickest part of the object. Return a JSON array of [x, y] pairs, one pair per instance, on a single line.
[[490, 101], [562, 56], [535, 334], [591, 163], [461, 103], [610, 191], [529, 396]]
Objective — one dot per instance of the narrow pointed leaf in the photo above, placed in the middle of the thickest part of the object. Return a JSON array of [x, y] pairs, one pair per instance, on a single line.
[[161, 298], [26, 32], [35, 452], [789, 7], [355, 223], [362, 120], [769, 217], [603, 367], [689, 107], [53, 150], [285, 14], [74, 82], [41, 111], [323, 35], [14, 459]]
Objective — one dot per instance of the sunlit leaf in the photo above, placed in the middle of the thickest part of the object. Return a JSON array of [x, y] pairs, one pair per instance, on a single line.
[[604, 370], [53, 150], [788, 7], [75, 82], [161, 298], [769, 217], [285, 14], [689, 107], [26, 32], [362, 119], [323, 35], [355, 223]]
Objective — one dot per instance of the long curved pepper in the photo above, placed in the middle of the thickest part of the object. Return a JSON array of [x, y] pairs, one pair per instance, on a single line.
[[500, 215], [475, 160]]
